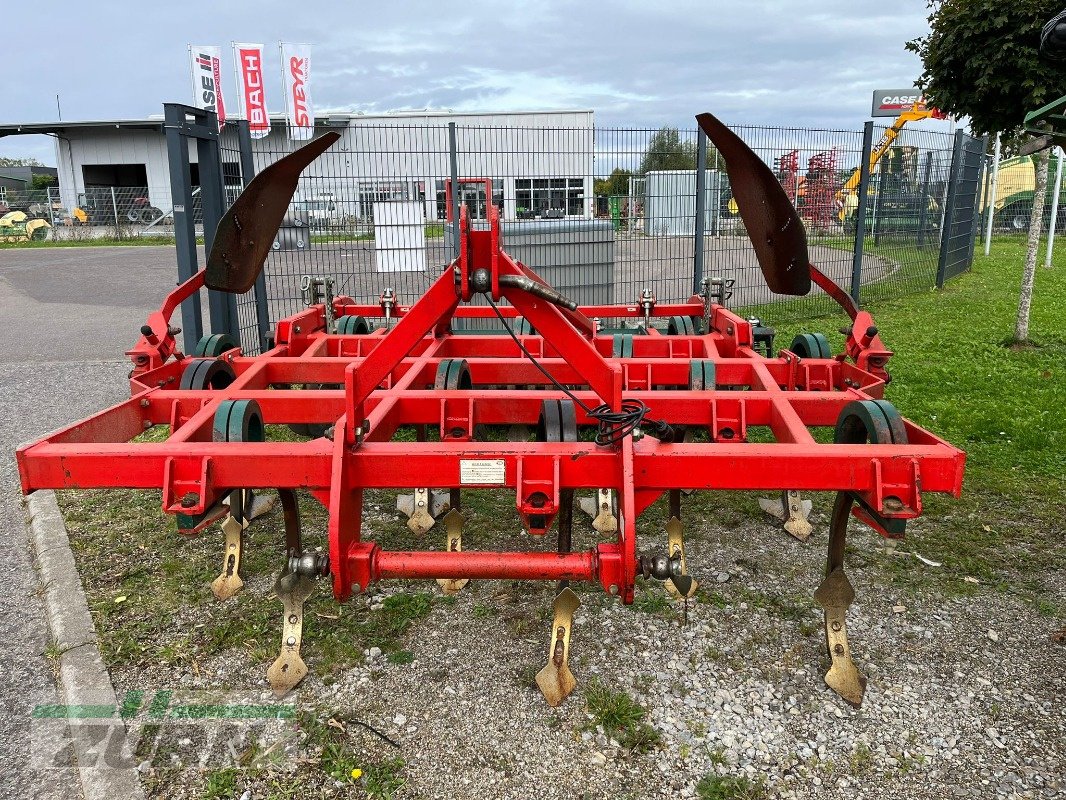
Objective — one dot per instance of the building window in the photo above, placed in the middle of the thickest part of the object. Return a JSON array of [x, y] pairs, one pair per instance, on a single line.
[[473, 194], [539, 197]]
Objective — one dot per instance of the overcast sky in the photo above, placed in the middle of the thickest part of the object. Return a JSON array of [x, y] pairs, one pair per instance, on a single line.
[[808, 64]]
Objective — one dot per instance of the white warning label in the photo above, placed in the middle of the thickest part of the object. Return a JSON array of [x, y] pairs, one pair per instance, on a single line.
[[484, 471]]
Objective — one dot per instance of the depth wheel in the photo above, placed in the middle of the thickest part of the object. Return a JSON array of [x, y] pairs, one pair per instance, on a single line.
[[811, 345], [213, 345], [701, 374], [453, 373], [351, 324], [680, 326], [207, 373], [557, 422], [870, 421], [238, 421]]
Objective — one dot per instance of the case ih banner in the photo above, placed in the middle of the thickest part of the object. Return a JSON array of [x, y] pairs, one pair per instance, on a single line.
[[251, 92], [893, 102], [206, 64], [296, 75]]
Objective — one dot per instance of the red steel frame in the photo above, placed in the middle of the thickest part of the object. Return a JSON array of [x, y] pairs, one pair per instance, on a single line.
[[388, 379]]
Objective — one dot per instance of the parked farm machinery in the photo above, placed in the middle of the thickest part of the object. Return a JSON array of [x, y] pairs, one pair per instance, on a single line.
[[683, 397]]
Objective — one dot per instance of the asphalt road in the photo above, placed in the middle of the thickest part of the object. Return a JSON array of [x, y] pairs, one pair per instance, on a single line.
[[66, 317]]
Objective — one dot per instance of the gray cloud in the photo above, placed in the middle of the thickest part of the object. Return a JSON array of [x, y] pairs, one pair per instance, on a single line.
[[804, 64]]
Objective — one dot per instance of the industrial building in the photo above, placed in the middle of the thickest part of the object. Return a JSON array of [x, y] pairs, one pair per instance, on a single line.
[[540, 163]]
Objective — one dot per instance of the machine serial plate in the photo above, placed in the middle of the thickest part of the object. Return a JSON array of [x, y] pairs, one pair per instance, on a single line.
[[484, 472]]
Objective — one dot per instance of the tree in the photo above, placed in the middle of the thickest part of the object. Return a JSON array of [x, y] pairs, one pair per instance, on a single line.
[[19, 162], [666, 151], [616, 183], [981, 60], [41, 181]]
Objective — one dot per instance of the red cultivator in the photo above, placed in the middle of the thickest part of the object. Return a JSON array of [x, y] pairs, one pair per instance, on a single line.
[[628, 415]]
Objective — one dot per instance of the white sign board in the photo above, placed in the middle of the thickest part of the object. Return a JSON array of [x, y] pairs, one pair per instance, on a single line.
[[399, 237]]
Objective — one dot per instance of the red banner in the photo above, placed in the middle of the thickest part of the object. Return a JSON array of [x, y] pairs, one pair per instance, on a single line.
[[249, 58]]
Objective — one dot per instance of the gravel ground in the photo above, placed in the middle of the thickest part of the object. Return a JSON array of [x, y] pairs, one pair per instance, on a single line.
[[964, 698]]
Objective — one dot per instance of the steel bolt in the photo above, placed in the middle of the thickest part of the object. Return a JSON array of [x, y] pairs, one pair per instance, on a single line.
[[613, 589], [145, 403], [291, 641], [190, 500], [293, 619], [839, 649], [357, 588], [836, 625]]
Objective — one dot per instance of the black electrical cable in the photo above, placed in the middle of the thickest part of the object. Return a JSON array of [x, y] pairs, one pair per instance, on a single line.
[[614, 426]]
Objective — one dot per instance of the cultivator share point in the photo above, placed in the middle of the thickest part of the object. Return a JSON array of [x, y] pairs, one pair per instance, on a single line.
[[621, 416]]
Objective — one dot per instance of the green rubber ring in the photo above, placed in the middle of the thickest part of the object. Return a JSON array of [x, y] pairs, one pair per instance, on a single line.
[[862, 421]]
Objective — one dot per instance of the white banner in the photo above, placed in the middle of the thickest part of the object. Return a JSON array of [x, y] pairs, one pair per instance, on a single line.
[[296, 78], [250, 90], [206, 62]]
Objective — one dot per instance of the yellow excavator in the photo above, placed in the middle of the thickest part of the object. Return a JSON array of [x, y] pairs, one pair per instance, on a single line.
[[847, 198]]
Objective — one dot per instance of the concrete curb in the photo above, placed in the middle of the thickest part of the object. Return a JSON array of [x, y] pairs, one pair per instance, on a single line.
[[83, 678]]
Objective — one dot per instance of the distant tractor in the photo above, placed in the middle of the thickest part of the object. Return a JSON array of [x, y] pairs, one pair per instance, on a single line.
[[1015, 190]]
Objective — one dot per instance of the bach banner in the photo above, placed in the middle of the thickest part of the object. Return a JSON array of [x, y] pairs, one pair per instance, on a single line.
[[206, 63], [250, 90], [296, 78]]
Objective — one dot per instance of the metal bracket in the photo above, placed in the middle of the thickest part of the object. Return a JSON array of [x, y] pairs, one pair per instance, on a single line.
[[453, 525], [792, 510], [289, 668], [317, 290], [555, 680]]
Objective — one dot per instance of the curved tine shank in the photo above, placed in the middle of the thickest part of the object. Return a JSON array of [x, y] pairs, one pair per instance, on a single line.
[[773, 225], [245, 233]]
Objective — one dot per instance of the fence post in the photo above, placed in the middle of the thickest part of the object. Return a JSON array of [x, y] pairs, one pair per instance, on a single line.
[[184, 226], [949, 209], [262, 302], [990, 196], [976, 219], [1054, 210], [114, 209], [860, 211], [701, 210], [222, 305], [453, 161], [923, 213], [879, 190]]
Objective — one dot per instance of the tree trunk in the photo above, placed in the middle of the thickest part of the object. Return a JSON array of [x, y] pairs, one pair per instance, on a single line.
[[1036, 222]]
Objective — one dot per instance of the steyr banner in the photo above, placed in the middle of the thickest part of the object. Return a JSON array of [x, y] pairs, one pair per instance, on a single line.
[[251, 92], [296, 78], [206, 62]]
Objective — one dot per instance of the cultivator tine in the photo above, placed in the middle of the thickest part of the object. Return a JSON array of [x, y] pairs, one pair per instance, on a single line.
[[601, 509], [289, 668], [555, 680], [422, 508], [453, 526], [676, 546], [835, 595], [229, 582], [792, 510]]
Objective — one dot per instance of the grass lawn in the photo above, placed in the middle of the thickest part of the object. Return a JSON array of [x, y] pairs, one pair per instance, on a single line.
[[954, 374]]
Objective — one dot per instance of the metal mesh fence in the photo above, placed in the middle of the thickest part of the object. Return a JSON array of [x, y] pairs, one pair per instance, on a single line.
[[600, 213]]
